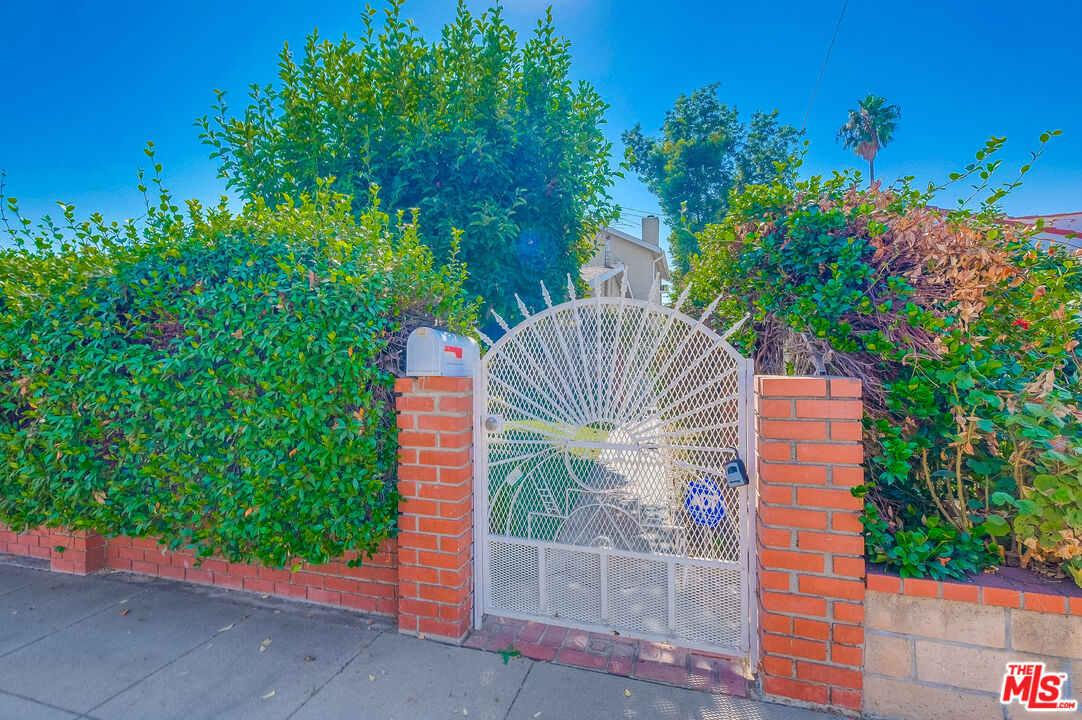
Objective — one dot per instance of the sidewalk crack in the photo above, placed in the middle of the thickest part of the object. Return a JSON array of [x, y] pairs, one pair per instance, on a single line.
[[520, 686], [178, 658], [69, 625], [345, 665]]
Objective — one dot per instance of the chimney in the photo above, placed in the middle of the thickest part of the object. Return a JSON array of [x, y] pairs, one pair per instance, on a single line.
[[651, 232]]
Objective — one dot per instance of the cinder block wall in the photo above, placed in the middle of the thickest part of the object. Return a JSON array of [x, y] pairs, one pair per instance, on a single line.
[[939, 650]]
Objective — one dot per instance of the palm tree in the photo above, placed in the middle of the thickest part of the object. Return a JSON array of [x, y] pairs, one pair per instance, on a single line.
[[870, 127]]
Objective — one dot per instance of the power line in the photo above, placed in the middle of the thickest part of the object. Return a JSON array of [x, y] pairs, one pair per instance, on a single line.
[[824, 68]]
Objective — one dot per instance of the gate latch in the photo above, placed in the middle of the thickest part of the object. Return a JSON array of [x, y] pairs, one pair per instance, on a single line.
[[736, 474]]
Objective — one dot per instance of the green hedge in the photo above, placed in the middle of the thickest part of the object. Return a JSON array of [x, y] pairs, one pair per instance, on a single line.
[[218, 380]]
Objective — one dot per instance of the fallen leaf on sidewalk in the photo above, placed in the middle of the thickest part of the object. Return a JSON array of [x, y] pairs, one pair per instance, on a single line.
[[268, 695], [264, 644], [627, 693], [371, 678], [124, 613], [382, 672], [264, 596], [537, 714], [227, 627], [309, 658]]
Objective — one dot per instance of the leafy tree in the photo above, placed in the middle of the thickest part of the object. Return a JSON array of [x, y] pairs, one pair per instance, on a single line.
[[706, 151], [870, 127], [486, 135]]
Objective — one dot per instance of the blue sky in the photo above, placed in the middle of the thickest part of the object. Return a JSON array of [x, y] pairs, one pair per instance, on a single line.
[[86, 85]]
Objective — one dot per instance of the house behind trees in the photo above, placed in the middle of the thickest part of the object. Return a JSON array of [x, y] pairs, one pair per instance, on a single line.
[[620, 254]]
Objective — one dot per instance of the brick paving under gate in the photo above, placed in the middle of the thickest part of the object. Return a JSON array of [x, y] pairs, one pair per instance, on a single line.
[[615, 655]]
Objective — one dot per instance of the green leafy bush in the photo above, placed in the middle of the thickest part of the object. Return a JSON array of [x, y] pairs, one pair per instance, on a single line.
[[964, 334], [218, 380], [481, 130], [931, 549]]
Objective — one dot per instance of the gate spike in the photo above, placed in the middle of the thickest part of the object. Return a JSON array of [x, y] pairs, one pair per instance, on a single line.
[[500, 321], [485, 339], [545, 294], [709, 310], [522, 307], [571, 288], [735, 327], [655, 291], [623, 284], [683, 297]]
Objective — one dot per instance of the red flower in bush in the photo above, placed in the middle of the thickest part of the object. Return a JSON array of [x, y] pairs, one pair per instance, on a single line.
[[1023, 323]]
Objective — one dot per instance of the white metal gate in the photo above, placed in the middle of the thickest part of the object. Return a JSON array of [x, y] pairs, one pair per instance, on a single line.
[[603, 427]]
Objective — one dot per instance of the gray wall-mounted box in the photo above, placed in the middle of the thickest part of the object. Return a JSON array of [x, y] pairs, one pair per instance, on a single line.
[[438, 352]]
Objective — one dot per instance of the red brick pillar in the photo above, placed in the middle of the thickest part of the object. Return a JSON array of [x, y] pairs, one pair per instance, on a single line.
[[811, 550], [76, 551], [435, 478]]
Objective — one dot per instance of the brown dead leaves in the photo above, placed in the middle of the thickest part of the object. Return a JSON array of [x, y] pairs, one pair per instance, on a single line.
[[946, 261], [1070, 547]]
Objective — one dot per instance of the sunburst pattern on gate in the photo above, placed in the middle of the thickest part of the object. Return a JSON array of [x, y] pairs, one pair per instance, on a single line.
[[608, 424]]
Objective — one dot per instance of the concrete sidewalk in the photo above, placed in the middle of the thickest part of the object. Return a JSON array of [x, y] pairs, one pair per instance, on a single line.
[[120, 646]]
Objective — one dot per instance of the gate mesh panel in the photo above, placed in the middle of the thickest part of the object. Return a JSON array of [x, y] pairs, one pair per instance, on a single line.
[[514, 580], [638, 594], [573, 585], [617, 419], [708, 604]]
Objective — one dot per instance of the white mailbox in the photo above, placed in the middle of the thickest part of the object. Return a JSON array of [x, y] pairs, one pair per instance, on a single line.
[[438, 352]]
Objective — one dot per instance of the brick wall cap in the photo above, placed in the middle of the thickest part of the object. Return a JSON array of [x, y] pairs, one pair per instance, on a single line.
[[1010, 579]]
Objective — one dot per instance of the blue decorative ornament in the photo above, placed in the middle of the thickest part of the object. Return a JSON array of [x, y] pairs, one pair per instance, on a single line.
[[704, 502]]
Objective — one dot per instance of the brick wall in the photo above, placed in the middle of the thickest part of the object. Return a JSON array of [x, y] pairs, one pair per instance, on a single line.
[[372, 587], [938, 650], [76, 552], [810, 546], [36, 543]]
